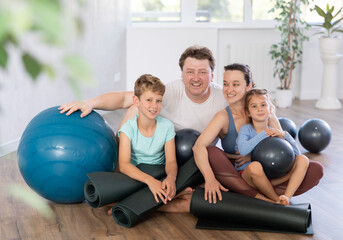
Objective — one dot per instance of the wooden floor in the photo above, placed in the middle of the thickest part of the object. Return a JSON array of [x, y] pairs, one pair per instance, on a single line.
[[79, 221]]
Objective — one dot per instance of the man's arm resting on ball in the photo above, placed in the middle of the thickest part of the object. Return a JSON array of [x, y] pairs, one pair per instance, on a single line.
[[108, 102]]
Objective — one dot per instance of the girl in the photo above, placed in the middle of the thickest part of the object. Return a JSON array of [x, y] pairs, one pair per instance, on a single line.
[[259, 108]]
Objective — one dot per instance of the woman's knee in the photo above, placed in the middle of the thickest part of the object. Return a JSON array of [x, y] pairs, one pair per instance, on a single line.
[[315, 170]]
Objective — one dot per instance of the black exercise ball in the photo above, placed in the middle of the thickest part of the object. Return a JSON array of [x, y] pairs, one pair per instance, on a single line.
[[315, 135], [276, 156], [184, 141], [289, 126]]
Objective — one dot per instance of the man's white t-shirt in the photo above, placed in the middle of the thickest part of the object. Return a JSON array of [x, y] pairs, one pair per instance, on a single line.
[[183, 113]]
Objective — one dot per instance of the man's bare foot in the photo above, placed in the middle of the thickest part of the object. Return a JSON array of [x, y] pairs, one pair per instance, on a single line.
[[284, 200], [109, 211], [188, 190]]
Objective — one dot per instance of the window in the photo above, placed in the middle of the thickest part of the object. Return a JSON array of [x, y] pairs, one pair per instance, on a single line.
[[156, 10], [220, 11], [260, 10], [191, 12]]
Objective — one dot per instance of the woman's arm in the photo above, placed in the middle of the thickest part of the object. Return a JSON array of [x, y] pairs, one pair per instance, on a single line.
[[171, 169], [108, 101], [132, 171], [212, 186], [274, 121]]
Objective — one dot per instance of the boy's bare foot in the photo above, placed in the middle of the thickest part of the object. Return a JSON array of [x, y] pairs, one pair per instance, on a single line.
[[284, 200]]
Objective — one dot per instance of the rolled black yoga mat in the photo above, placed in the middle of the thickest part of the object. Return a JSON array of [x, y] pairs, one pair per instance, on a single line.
[[239, 212], [139, 205], [108, 187]]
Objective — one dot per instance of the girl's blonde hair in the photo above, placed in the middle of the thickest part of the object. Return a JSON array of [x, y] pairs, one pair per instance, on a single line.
[[258, 92]]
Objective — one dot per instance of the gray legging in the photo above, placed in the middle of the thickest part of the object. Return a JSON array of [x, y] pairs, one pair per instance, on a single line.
[[228, 176]]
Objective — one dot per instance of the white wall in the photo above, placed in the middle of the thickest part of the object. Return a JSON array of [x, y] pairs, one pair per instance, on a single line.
[[312, 70], [103, 46], [157, 50], [249, 46]]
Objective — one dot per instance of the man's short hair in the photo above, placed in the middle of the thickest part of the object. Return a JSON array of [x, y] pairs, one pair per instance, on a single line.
[[197, 52]]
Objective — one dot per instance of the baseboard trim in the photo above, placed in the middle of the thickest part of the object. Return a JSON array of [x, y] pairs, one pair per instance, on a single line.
[[8, 148]]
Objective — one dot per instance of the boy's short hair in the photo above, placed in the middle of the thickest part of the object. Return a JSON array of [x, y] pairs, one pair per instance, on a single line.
[[197, 52], [148, 82]]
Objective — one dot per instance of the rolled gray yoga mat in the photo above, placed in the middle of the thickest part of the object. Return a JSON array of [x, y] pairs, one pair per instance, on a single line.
[[239, 212], [139, 205], [108, 187]]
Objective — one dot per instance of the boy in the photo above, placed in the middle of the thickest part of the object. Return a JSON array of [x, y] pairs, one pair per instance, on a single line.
[[149, 138]]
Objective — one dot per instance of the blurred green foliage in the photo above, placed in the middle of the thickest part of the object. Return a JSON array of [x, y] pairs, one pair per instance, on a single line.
[[287, 53], [47, 19], [31, 199]]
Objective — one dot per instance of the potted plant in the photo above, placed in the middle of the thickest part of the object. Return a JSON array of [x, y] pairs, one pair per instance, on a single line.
[[287, 53], [329, 45]]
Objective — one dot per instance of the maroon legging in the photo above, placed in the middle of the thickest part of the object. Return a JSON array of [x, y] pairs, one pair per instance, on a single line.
[[227, 175]]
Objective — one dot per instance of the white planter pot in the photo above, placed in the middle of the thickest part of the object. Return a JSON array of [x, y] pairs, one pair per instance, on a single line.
[[329, 49], [283, 98], [329, 46]]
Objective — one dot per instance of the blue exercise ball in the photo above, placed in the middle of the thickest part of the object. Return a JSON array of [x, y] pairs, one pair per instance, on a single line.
[[276, 156], [56, 152], [315, 135], [184, 142], [289, 126]]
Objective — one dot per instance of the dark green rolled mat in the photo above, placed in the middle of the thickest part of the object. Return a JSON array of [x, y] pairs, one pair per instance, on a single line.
[[108, 187], [139, 205], [239, 212]]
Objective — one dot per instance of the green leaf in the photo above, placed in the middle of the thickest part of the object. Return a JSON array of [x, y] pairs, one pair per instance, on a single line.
[[50, 71], [78, 68], [336, 22], [319, 11], [32, 66], [338, 12], [337, 30], [3, 57], [30, 198], [48, 17], [4, 24]]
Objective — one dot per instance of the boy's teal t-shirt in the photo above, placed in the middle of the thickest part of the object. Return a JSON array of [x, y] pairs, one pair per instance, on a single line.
[[149, 150]]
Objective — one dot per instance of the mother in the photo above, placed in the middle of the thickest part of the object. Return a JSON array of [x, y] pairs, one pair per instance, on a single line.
[[216, 165]]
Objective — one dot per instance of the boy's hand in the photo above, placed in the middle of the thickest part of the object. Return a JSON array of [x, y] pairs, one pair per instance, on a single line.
[[155, 187], [168, 185], [272, 132]]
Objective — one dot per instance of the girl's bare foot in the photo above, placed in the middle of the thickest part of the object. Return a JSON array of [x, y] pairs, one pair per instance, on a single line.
[[284, 200]]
